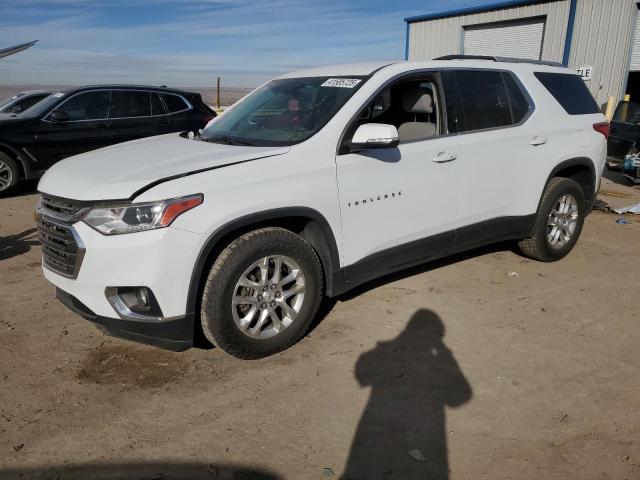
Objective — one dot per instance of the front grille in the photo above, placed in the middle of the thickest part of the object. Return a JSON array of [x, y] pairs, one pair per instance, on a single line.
[[61, 208], [61, 251]]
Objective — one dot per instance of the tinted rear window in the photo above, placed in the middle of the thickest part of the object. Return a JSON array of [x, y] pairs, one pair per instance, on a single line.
[[484, 99], [174, 103], [570, 92], [128, 104]]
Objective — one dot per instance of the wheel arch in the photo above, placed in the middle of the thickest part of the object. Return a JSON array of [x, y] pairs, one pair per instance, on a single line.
[[580, 169], [15, 155], [310, 224]]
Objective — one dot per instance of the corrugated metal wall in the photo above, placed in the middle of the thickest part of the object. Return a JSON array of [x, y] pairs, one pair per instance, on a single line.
[[433, 38], [602, 38], [635, 50]]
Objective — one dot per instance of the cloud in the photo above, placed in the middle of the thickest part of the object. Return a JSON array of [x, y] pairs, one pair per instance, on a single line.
[[188, 43]]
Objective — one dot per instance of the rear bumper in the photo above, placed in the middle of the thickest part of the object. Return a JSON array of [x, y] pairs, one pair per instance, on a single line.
[[175, 334]]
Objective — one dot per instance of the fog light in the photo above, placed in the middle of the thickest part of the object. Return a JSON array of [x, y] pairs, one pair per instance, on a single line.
[[134, 302], [142, 295]]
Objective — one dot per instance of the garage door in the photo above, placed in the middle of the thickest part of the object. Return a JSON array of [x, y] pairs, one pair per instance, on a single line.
[[519, 39], [635, 50]]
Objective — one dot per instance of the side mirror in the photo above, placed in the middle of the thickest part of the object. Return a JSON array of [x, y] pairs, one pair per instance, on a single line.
[[375, 135], [59, 116]]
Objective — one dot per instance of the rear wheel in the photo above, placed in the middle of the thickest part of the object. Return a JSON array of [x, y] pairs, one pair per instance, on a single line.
[[9, 173], [261, 294], [559, 221]]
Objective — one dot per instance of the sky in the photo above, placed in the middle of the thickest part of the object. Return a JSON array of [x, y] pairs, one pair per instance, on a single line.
[[190, 42]]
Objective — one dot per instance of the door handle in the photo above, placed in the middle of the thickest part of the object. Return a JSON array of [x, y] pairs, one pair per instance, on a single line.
[[101, 126], [444, 157], [535, 141]]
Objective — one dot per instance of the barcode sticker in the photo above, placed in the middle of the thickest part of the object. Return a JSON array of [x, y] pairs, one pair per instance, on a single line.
[[341, 82]]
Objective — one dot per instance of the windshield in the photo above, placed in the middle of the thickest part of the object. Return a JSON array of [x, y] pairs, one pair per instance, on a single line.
[[44, 105], [6, 101], [283, 112]]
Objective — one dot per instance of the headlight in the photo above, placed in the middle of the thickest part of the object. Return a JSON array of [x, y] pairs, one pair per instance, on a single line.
[[138, 217]]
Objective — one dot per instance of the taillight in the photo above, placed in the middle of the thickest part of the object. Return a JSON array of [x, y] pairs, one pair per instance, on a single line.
[[602, 128]]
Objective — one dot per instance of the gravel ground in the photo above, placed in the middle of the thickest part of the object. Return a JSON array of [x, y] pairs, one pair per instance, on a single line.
[[460, 369]]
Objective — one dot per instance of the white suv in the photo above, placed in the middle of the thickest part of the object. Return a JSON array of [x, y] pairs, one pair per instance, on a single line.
[[316, 182]]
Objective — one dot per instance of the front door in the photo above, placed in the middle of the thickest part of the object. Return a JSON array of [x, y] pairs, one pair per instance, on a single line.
[[82, 125], [400, 205]]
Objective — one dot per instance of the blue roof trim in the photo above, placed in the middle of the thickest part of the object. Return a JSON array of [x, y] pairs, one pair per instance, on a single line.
[[569, 38], [406, 44], [477, 9]]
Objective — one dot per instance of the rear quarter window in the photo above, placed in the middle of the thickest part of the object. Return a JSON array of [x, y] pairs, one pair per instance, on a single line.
[[174, 103], [570, 92]]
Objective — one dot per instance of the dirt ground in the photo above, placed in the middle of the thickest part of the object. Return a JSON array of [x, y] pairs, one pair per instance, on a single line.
[[460, 369]]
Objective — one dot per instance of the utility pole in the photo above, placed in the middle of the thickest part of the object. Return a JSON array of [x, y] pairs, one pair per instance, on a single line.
[[218, 94]]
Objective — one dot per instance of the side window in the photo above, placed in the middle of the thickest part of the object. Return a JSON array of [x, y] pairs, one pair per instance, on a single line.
[[87, 106], [174, 103], [484, 99], [517, 100], [570, 92], [129, 103], [156, 105], [412, 106]]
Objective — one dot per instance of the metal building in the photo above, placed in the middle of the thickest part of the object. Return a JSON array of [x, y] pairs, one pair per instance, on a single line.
[[599, 38]]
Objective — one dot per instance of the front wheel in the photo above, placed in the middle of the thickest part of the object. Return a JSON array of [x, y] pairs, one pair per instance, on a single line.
[[559, 221], [9, 173], [261, 294]]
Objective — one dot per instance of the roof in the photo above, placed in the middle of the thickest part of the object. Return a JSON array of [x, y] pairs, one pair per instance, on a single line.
[[476, 9], [355, 69], [365, 69], [121, 86]]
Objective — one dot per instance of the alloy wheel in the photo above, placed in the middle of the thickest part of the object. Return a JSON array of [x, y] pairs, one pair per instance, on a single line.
[[562, 221], [268, 296], [6, 176]]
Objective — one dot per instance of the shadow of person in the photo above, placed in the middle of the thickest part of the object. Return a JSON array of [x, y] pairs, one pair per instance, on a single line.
[[13, 245], [402, 432], [140, 471]]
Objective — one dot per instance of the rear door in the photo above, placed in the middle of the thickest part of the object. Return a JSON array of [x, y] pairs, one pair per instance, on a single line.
[[86, 127], [131, 116], [499, 148]]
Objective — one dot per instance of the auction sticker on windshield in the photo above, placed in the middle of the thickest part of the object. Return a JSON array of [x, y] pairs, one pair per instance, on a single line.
[[341, 82]]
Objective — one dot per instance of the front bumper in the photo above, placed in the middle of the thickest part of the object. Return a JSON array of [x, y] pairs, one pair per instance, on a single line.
[[175, 334]]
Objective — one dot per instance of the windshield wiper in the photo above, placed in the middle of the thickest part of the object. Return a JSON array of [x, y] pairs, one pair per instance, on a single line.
[[230, 141]]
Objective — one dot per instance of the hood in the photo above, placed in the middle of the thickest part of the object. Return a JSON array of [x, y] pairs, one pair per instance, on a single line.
[[12, 119], [121, 171]]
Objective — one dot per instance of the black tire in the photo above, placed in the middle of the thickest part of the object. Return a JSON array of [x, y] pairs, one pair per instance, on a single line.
[[216, 313], [9, 173], [538, 246]]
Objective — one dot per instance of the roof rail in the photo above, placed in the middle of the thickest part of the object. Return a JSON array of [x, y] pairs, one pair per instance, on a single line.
[[494, 58]]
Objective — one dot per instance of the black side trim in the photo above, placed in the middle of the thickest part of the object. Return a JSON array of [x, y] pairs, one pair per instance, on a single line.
[[399, 257], [321, 238], [494, 230], [192, 172], [432, 248], [176, 334]]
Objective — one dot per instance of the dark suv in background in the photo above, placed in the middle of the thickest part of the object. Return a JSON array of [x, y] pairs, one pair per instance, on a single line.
[[78, 120]]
